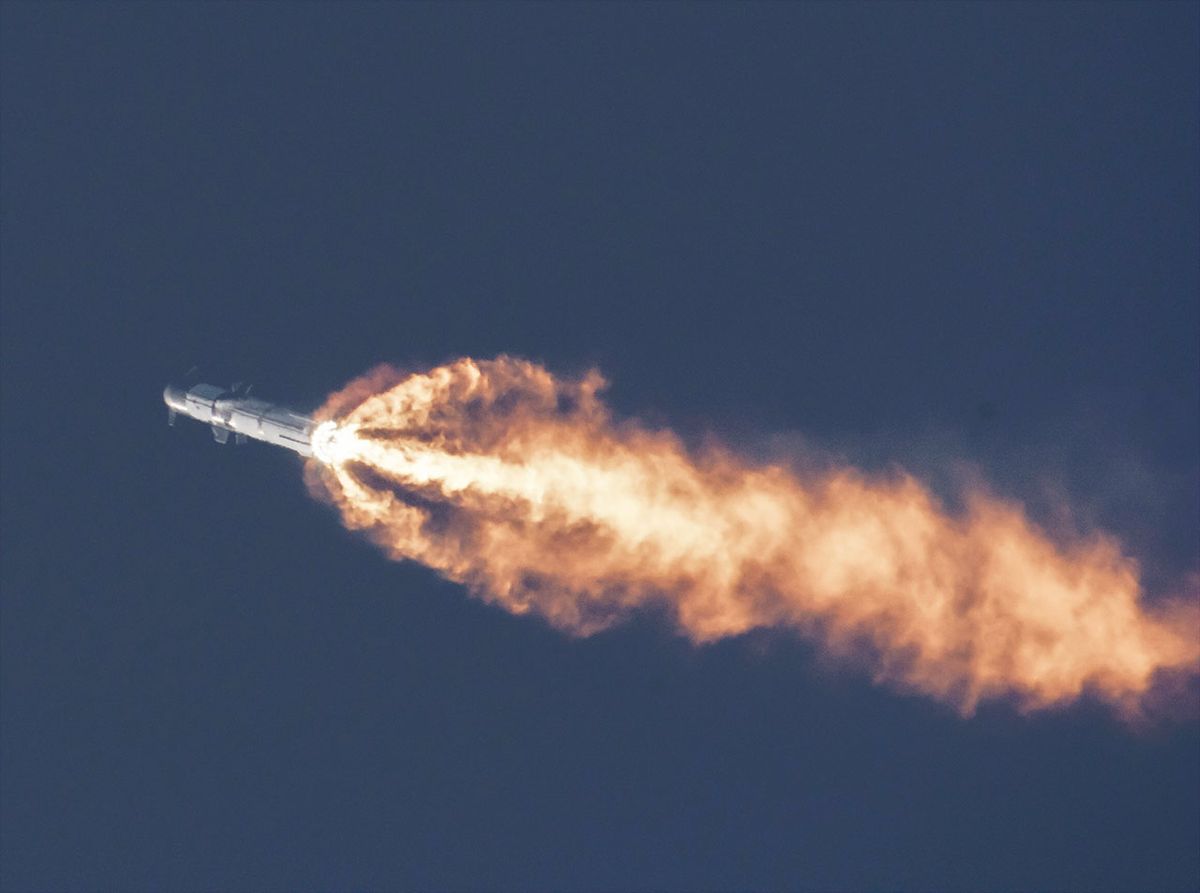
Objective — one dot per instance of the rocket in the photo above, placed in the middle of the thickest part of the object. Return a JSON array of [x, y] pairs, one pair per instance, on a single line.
[[233, 410]]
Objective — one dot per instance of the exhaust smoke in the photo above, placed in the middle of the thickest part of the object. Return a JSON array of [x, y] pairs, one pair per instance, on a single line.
[[522, 486]]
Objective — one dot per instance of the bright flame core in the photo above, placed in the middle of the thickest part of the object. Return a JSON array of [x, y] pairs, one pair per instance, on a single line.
[[333, 444], [521, 485]]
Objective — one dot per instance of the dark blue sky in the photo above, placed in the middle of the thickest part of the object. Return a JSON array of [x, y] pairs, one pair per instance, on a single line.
[[913, 232]]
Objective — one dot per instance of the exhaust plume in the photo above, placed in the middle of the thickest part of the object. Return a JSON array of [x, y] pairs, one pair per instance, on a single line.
[[522, 486]]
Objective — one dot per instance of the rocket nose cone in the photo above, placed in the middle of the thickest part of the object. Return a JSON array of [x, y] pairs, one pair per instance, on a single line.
[[174, 396]]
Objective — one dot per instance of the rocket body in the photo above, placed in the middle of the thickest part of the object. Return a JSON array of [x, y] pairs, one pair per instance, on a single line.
[[234, 411]]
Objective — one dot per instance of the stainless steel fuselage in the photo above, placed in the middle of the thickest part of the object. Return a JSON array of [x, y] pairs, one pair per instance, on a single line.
[[230, 411]]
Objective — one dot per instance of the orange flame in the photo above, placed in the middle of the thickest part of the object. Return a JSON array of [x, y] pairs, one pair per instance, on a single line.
[[521, 485]]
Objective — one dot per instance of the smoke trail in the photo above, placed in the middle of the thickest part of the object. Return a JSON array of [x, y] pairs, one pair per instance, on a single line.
[[522, 486]]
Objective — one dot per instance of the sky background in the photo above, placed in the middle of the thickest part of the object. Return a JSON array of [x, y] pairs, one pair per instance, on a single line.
[[923, 234]]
